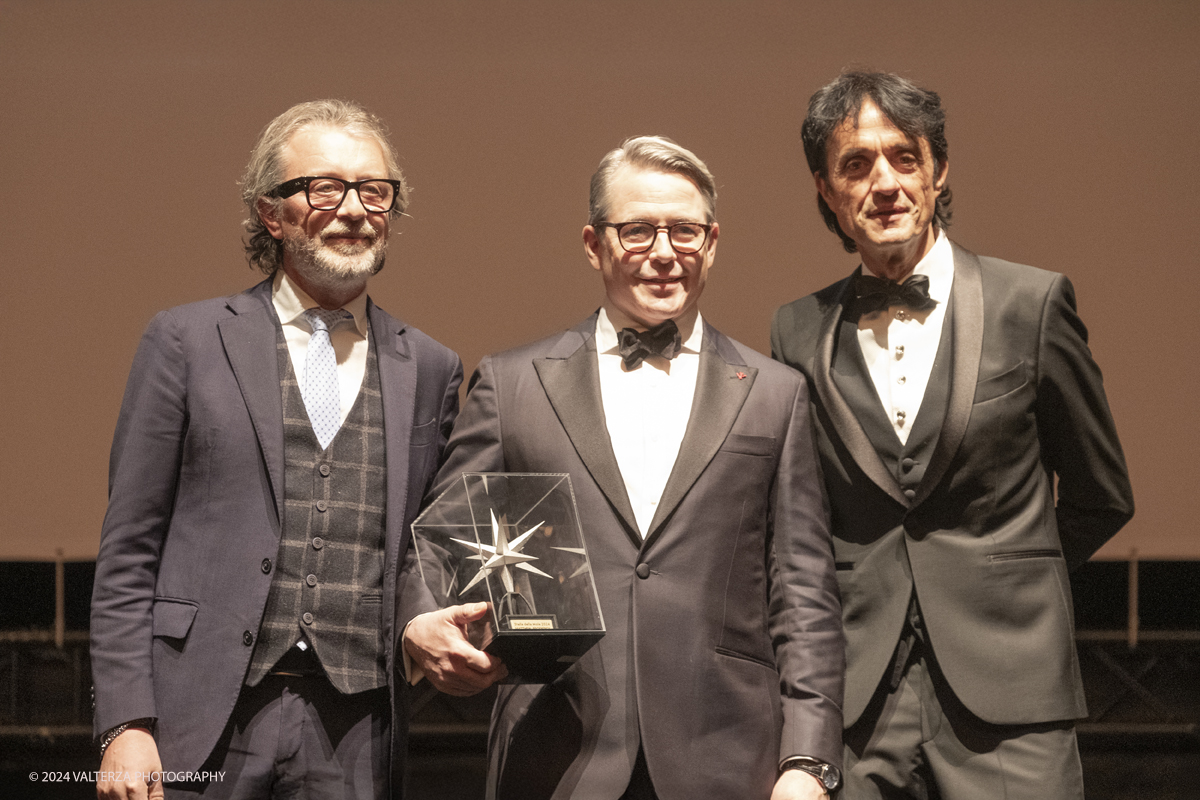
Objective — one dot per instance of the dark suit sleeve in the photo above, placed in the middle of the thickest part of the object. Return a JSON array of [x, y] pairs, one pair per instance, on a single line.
[[805, 610], [1077, 434], [473, 446], [143, 473], [446, 418]]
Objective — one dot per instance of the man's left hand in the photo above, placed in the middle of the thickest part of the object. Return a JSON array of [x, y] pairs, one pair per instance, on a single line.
[[795, 784]]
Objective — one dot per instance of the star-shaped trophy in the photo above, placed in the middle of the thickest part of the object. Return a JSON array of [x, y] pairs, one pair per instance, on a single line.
[[502, 555], [513, 540]]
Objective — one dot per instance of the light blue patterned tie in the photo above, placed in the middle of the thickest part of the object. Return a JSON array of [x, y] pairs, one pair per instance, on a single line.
[[320, 390]]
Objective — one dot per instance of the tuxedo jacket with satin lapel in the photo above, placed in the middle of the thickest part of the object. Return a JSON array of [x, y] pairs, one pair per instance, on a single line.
[[195, 501], [729, 652], [979, 537]]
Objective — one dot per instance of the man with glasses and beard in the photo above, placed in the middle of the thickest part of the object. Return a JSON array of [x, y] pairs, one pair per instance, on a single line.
[[270, 455]]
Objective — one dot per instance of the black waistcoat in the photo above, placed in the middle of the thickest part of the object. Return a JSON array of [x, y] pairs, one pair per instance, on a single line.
[[907, 461]]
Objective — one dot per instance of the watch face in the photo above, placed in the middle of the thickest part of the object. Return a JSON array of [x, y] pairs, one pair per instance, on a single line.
[[831, 777]]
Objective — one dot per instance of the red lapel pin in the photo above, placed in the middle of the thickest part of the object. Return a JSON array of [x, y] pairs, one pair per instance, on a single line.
[[741, 376]]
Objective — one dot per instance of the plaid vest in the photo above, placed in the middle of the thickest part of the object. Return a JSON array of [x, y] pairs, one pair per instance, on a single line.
[[328, 576]]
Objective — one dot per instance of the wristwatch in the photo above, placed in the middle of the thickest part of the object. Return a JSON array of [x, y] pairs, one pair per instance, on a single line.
[[829, 775]]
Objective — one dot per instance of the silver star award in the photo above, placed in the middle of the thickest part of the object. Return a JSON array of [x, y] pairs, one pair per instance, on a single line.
[[500, 556]]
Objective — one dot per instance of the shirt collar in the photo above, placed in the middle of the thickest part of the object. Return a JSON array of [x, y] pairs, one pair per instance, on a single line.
[[291, 301], [691, 330]]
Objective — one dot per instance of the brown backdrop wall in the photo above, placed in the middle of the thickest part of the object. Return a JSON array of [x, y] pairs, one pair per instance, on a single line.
[[125, 126]]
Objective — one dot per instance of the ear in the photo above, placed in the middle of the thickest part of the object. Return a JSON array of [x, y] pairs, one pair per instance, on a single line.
[[592, 246], [267, 212], [943, 170], [822, 188], [712, 243]]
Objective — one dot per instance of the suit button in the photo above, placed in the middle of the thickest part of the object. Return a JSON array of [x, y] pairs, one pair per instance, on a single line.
[[307, 617], [247, 638], [910, 493], [318, 543], [266, 566], [907, 464], [311, 580], [324, 468], [322, 505], [643, 570]]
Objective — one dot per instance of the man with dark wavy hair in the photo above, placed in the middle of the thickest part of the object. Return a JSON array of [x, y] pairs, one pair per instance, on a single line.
[[956, 401], [270, 455]]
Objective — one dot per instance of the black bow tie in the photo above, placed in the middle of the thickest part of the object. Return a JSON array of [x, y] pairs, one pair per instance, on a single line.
[[876, 294], [661, 340]]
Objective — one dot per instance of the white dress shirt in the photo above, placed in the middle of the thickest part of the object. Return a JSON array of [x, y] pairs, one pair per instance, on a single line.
[[900, 345], [647, 409], [349, 341]]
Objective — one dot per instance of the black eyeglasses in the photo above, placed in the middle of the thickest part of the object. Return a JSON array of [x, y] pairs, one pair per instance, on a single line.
[[326, 194], [639, 237]]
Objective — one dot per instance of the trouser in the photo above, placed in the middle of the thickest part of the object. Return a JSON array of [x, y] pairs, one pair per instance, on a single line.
[[917, 740], [297, 737], [640, 787]]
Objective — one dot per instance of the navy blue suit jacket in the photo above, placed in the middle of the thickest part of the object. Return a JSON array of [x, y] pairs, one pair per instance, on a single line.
[[195, 499]]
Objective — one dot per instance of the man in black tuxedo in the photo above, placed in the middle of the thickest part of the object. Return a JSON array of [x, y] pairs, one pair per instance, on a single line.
[[951, 391], [695, 474]]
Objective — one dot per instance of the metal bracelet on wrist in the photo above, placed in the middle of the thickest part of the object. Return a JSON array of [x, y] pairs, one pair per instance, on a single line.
[[113, 733]]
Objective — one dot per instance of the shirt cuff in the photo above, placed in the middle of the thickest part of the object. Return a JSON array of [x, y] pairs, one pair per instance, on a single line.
[[413, 674]]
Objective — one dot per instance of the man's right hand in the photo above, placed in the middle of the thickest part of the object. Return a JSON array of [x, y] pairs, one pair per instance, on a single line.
[[128, 764], [437, 642]]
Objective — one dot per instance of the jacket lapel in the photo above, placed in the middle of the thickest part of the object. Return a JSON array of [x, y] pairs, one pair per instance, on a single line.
[[570, 376], [397, 388], [249, 338], [723, 383], [967, 341], [844, 421]]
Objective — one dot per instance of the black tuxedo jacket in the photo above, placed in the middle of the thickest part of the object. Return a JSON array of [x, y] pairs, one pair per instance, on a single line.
[[725, 650], [980, 538], [196, 499]]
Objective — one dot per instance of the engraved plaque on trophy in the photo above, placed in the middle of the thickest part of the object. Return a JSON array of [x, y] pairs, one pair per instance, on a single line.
[[513, 540]]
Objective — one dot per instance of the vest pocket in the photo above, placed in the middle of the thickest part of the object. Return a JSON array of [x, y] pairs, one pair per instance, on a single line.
[[369, 613]]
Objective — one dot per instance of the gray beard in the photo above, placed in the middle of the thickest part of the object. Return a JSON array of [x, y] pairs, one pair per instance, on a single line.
[[323, 267]]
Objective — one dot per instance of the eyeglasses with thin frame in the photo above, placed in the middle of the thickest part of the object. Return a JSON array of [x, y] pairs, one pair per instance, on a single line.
[[685, 238], [326, 194]]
